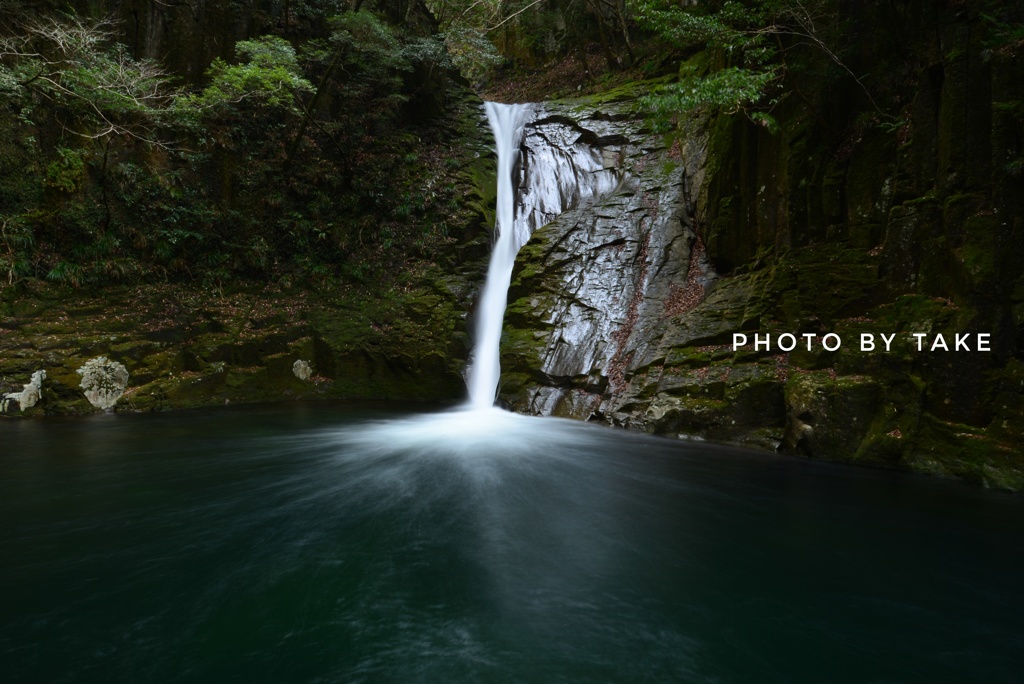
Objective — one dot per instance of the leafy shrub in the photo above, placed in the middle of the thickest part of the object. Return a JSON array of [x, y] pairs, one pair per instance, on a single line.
[[67, 172], [268, 76]]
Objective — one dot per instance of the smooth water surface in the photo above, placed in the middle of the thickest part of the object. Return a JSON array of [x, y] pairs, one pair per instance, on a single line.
[[302, 543]]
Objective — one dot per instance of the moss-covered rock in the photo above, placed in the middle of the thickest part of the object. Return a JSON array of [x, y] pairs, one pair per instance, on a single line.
[[829, 415], [183, 347]]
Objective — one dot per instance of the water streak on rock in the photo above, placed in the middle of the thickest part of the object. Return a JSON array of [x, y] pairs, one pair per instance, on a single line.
[[546, 165]]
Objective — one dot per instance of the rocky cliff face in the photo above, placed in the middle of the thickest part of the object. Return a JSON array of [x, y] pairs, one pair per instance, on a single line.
[[599, 281], [615, 311], [843, 223]]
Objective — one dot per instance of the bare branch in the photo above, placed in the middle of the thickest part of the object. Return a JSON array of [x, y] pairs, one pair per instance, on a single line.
[[73, 63], [513, 16]]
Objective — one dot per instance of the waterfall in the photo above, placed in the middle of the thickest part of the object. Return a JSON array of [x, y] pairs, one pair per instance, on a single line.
[[564, 166], [507, 122]]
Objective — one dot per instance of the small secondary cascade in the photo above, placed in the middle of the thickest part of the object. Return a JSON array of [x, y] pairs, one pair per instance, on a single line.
[[507, 122]]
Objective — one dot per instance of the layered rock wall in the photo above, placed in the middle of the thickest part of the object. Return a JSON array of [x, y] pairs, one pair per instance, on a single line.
[[847, 221]]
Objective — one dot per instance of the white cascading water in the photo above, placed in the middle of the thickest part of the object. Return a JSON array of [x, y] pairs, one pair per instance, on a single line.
[[507, 122], [560, 172]]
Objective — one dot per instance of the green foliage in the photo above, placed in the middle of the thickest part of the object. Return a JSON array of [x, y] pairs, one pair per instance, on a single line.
[[471, 51], [481, 34], [895, 125], [299, 159], [176, 216], [373, 60], [367, 41], [67, 172], [726, 91], [426, 50], [1007, 37], [465, 28], [306, 12], [16, 243], [698, 25], [746, 37], [267, 77], [70, 66], [9, 84], [66, 272]]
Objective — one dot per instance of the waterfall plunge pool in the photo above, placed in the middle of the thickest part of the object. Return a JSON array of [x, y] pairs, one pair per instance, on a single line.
[[318, 543]]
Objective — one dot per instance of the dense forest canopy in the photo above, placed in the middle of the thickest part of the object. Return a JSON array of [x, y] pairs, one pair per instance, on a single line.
[[304, 145], [300, 153]]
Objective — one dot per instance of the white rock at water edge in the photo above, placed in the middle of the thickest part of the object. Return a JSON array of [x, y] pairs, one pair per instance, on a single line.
[[103, 381], [302, 370], [29, 396]]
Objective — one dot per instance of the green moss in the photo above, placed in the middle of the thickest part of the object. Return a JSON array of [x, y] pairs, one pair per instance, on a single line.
[[829, 417], [687, 415], [817, 285], [966, 452], [916, 313], [482, 175], [1008, 403], [680, 358], [624, 97], [958, 207], [977, 256], [242, 347]]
